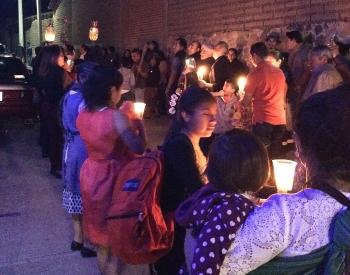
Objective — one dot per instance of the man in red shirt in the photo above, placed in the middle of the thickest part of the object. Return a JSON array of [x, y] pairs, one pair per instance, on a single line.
[[266, 88]]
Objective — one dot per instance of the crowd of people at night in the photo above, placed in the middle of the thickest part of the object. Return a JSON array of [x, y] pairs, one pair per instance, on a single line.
[[216, 177]]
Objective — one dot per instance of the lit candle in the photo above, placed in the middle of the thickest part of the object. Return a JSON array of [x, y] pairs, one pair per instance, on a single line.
[[241, 82], [139, 108], [190, 62], [202, 70], [284, 174]]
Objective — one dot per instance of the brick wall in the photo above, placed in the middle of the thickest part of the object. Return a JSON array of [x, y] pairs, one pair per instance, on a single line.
[[141, 21], [130, 23], [206, 16]]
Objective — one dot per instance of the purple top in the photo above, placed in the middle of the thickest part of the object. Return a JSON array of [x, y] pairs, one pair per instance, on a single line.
[[214, 218]]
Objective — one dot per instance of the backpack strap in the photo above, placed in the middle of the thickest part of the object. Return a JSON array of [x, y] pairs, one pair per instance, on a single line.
[[324, 186]]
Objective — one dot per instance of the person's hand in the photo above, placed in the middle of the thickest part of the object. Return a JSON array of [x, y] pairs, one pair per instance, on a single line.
[[145, 47], [202, 83], [139, 69], [188, 69], [221, 93], [128, 110]]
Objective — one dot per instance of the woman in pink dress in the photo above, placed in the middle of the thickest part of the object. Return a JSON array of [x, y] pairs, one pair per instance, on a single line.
[[112, 139]]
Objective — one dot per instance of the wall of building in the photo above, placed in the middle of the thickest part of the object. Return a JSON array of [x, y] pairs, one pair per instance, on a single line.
[[31, 34], [62, 20], [240, 22]]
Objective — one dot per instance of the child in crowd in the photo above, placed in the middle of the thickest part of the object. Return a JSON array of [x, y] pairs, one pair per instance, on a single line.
[[185, 163], [229, 115], [111, 140], [238, 164], [152, 83], [128, 81]]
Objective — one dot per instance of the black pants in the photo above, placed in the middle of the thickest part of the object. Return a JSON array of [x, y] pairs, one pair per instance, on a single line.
[[43, 132], [171, 263], [53, 135], [271, 136]]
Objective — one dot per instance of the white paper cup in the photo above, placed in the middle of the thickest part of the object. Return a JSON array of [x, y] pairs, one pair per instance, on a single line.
[[139, 108], [284, 174]]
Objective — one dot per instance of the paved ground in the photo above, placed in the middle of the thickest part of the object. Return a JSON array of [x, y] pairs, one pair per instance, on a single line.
[[35, 232]]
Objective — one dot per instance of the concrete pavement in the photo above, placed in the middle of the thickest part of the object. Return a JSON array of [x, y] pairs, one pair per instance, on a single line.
[[35, 232]]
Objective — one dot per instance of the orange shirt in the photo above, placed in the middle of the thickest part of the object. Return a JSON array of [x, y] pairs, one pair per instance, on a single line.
[[267, 86]]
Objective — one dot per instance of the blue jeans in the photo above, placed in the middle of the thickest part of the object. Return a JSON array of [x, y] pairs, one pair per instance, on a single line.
[[271, 136]]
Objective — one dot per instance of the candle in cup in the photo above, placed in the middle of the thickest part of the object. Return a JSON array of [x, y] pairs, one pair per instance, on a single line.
[[202, 70], [284, 174], [139, 108], [241, 82]]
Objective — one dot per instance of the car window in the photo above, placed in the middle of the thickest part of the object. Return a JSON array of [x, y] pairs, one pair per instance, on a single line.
[[12, 69]]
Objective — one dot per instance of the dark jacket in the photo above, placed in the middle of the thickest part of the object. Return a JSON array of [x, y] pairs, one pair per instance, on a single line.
[[153, 76], [181, 175], [220, 72], [196, 56], [177, 66], [53, 87]]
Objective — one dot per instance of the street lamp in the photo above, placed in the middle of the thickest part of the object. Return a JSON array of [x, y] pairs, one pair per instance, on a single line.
[[50, 33], [93, 32]]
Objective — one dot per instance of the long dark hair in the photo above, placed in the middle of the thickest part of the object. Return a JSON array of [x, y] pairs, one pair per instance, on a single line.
[[323, 128], [97, 88], [84, 70], [189, 101], [48, 58]]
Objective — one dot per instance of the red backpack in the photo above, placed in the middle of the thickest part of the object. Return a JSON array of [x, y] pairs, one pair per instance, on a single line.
[[139, 232]]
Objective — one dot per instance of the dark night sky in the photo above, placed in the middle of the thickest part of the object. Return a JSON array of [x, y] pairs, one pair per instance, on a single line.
[[8, 8]]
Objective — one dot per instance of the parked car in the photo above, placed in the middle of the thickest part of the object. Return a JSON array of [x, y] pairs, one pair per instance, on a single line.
[[16, 94]]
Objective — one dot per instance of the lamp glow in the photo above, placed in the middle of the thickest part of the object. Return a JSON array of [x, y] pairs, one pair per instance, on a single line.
[[94, 31], [202, 70], [50, 34], [241, 82], [139, 108], [284, 174]]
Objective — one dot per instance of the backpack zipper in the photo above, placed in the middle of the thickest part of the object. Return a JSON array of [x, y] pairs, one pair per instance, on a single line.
[[138, 214]]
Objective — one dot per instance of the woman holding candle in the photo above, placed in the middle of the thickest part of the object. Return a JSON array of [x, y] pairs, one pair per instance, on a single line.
[[74, 154], [297, 228], [185, 163], [112, 138]]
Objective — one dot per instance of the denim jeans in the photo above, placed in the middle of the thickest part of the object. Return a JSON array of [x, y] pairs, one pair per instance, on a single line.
[[271, 136]]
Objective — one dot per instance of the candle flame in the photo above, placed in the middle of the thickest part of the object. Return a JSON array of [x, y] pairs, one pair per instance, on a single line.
[[241, 82], [202, 70], [139, 108]]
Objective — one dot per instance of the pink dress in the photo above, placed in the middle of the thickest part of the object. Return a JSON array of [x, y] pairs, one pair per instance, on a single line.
[[107, 154]]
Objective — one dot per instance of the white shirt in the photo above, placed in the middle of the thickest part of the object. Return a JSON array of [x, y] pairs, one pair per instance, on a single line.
[[285, 226], [128, 79]]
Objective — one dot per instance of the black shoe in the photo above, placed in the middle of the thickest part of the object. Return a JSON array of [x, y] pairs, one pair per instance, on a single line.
[[56, 174], [76, 246], [87, 253]]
